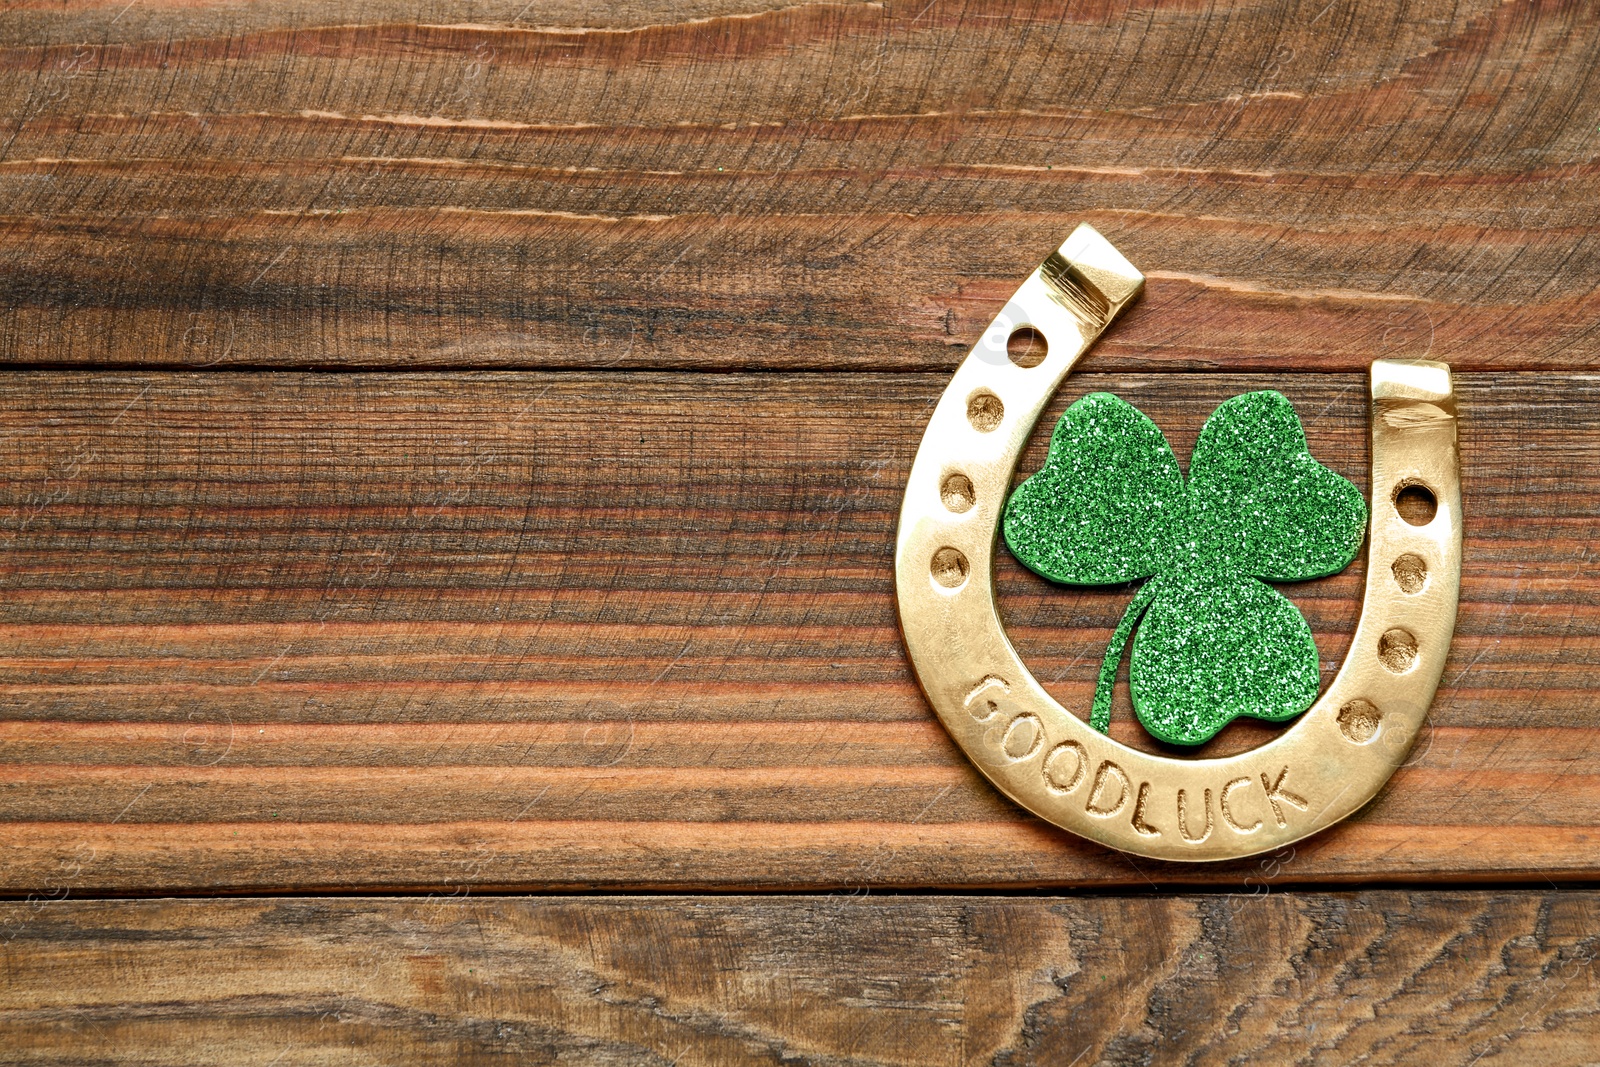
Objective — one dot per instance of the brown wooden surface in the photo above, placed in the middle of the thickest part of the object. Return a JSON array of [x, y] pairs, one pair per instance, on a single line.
[[760, 184], [322, 631], [618, 615], [1449, 979]]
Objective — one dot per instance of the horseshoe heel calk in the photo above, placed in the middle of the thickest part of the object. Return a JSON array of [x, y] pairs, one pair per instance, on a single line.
[[1331, 761]]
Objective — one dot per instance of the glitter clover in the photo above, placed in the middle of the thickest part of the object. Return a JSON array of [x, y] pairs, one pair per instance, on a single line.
[[1214, 642]]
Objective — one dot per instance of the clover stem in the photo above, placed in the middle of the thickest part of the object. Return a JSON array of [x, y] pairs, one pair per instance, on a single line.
[[1100, 713]]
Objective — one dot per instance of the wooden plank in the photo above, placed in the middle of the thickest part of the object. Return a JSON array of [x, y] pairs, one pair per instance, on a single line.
[[636, 630], [766, 185], [1452, 978]]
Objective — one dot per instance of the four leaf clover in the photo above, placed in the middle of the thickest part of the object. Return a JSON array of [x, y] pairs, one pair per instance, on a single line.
[[1214, 642]]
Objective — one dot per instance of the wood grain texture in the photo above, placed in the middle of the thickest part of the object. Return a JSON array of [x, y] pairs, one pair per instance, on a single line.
[[754, 184], [1452, 978], [322, 631], [630, 627]]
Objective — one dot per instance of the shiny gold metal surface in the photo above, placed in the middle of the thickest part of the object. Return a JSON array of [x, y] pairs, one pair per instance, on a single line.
[[1330, 762]]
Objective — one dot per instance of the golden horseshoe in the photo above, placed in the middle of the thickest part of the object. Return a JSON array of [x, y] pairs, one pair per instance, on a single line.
[[1330, 762]]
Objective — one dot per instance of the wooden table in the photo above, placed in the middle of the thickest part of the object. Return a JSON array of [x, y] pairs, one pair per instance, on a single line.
[[452, 452]]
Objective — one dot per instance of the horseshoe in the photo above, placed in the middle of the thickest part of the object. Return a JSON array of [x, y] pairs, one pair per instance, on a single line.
[[1330, 762]]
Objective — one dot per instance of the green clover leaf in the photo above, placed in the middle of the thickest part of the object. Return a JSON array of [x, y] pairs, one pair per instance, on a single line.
[[1214, 642]]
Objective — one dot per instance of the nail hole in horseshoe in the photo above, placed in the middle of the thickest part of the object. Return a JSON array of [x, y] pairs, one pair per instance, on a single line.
[[984, 411], [957, 493], [950, 568], [1410, 573], [1027, 347], [1416, 503], [1397, 649], [1358, 721]]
